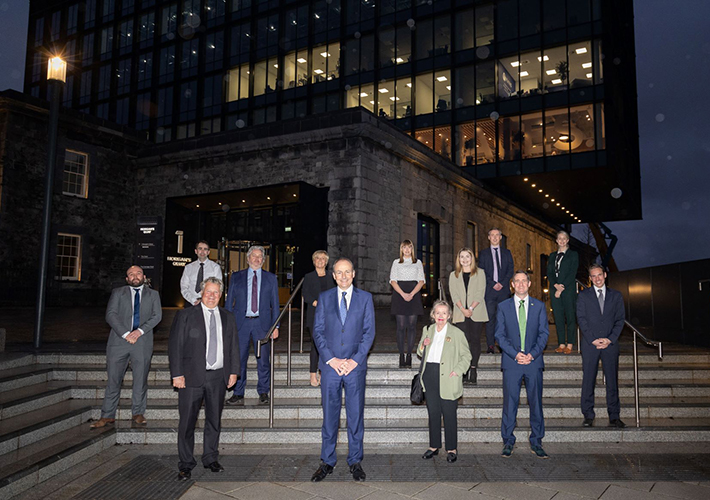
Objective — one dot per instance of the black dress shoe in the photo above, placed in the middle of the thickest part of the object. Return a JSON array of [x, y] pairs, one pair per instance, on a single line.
[[235, 400], [451, 457], [357, 472], [491, 350], [184, 475], [430, 453], [263, 399], [473, 376], [402, 363], [321, 472], [408, 360], [615, 422], [588, 422], [215, 467]]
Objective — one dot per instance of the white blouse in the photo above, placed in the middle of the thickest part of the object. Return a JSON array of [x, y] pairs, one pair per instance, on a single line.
[[406, 271], [437, 345]]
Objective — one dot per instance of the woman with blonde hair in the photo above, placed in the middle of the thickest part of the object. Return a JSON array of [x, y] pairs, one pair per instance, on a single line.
[[314, 283], [446, 356], [467, 286], [407, 280]]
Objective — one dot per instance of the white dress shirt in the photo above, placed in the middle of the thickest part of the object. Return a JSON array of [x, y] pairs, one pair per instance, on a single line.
[[348, 296], [189, 278], [437, 345], [133, 303], [219, 362]]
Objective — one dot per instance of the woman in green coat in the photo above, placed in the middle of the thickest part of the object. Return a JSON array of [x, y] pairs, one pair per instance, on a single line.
[[446, 358]]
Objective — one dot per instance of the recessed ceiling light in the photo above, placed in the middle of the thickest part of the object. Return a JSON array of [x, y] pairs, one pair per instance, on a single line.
[[318, 71], [533, 185], [409, 85], [383, 91], [324, 54], [244, 201], [581, 50], [587, 65], [556, 81], [441, 78], [551, 71], [546, 58], [400, 60], [524, 73], [448, 87], [301, 60], [363, 94], [539, 190], [589, 75], [524, 180], [197, 206], [515, 64]]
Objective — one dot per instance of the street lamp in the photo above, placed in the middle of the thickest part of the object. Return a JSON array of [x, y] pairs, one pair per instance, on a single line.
[[56, 76]]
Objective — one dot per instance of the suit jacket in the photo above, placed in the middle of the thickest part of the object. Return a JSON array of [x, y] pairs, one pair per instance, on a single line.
[[119, 312], [476, 293], [593, 323], [351, 340], [508, 332], [505, 273], [455, 357], [268, 299], [568, 271], [187, 346]]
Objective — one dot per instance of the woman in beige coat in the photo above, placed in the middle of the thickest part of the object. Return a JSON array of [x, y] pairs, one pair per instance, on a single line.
[[447, 358], [467, 286]]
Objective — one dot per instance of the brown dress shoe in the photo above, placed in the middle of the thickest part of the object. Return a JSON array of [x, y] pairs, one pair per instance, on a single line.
[[568, 350], [560, 349], [139, 419], [102, 422]]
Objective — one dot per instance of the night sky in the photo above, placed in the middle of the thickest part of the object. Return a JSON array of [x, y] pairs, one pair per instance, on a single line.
[[673, 76]]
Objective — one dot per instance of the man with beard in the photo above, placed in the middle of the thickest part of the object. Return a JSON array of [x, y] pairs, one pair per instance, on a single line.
[[132, 313]]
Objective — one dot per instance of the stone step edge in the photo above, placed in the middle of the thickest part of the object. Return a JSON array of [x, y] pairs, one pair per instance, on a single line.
[[22, 480], [26, 433]]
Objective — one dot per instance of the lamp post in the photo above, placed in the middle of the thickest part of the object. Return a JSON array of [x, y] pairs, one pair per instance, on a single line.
[[56, 76]]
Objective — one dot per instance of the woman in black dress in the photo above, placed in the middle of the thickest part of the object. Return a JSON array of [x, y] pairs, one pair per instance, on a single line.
[[407, 280], [314, 283]]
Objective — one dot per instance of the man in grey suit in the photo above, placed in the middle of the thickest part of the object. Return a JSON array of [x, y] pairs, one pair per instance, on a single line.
[[132, 313]]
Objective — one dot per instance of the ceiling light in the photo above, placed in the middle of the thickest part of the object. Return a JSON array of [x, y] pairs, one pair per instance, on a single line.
[[301, 60], [400, 60], [324, 54], [552, 199], [564, 137], [524, 180], [539, 190], [551, 71], [276, 65], [409, 85], [244, 201], [394, 98], [547, 196], [533, 185], [198, 206], [363, 94], [556, 81], [589, 75], [546, 58], [318, 71], [557, 204], [587, 65], [441, 78], [524, 73], [581, 50], [448, 87], [383, 91], [515, 64]]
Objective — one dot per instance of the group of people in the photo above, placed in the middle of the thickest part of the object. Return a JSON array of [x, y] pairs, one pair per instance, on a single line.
[[209, 345]]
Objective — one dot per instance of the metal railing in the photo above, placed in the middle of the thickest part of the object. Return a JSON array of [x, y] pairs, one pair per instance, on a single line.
[[636, 333], [442, 289], [269, 338]]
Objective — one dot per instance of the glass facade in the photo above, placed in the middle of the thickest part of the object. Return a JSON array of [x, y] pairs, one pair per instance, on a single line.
[[481, 83]]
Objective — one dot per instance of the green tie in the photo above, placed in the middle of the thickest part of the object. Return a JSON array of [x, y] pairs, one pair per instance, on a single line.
[[522, 321]]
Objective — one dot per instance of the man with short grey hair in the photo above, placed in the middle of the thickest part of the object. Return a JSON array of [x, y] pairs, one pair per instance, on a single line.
[[132, 313], [253, 298]]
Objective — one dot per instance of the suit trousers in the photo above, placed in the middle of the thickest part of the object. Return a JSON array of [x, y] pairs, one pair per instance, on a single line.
[[190, 400], [512, 382], [590, 367], [118, 353], [436, 407], [331, 387], [251, 332], [564, 311], [494, 298], [472, 330]]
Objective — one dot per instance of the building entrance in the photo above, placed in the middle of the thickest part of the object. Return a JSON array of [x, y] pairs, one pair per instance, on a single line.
[[290, 221]]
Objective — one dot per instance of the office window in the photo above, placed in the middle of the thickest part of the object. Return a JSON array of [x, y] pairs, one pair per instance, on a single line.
[[211, 126], [190, 51], [89, 13], [367, 53], [240, 43], [485, 82], [600, 130], [555, 68], [296, 24], [326, 62], [104, 88], [442, 141], [215, 11], [557, 132], [143, 111], [424, 94], [214, 44], [530, 17], [145, 70], [37, 66], [107, 11], [68, 266], [39, 32], [465, 92], [267, 32], [165, 106], [127, 7], [388, 54], [425, 136], [72, 18], [387, 100], [68, 93], [442, 35], [464, 30], [125, 36], [403, 93], [554, 14], [147, 29], [191, 13], [212, 98], [85, 88], [296, 69], [87, 55], [475, 143], [70, 51], [123, 76], [361, 95], [484, 25], [265, 73], [238, 83], [424, 39], [168, 23], [163, 134], [351, 57], [188, 100], [122, 107], [55, 26], [167, 64], [509, 138], [75, 181], [106, 42], [185, 131], [597, 63], [531, 135], [240, 5], [581, 67], [507, 19]]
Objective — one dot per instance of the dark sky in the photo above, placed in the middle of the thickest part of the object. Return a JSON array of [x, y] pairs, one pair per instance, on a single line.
[[673, 75]]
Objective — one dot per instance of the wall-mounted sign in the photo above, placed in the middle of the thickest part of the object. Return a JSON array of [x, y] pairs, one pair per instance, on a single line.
[[149, 238]]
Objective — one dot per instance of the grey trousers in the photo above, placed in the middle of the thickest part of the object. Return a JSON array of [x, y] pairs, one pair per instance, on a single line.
[[118, 354]]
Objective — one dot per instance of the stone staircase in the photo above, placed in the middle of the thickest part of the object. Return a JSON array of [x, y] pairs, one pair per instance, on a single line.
[[47, 400]]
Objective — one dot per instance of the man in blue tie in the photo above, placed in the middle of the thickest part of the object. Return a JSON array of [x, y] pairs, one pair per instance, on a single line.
[[497, 263], [132, 313], [343, 332], [521, 332]]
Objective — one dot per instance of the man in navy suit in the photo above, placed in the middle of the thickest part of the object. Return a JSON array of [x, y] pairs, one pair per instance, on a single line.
[[521, 332], [343, 331], [253, 297], [204, 361], [497, 262], [601, 316]]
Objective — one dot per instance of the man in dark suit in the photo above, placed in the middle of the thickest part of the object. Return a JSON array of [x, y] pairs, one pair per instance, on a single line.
[[203, 352], [132, 313], [253, 298], [601, 316], [497, 262], [343, 332], [562, 275], [521, 332]]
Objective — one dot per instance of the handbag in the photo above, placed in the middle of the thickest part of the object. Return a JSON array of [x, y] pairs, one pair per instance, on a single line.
[[417, 393]]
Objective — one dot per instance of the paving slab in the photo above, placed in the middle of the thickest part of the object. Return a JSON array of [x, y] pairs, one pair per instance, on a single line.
[[681, 490], [615, 492]]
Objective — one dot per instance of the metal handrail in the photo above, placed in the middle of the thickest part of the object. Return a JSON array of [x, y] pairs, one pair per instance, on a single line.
[[269, 338], [442, 289]]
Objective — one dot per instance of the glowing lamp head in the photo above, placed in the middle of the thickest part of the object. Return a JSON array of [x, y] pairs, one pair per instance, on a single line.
[[57, 69]]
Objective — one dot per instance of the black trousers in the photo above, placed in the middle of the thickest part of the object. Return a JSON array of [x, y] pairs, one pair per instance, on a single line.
[[590, 367], [472, 330], [189, 403], [438, 407]]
